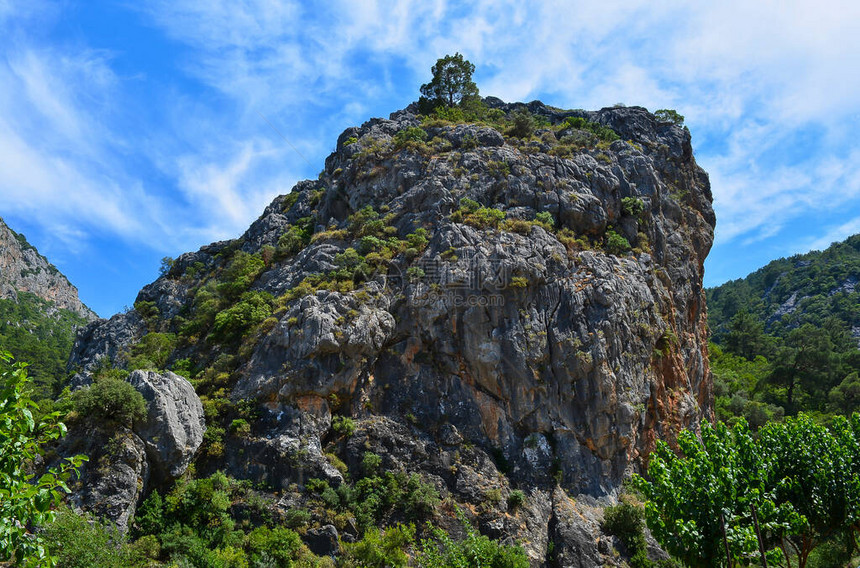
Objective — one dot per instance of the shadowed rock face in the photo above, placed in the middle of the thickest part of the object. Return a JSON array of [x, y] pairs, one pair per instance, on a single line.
[[563, 361]]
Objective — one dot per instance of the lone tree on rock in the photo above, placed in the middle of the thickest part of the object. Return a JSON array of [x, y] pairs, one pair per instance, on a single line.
[[451, 83]]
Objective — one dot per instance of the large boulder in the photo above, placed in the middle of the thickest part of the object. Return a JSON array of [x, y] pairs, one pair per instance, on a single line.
[[174, 425]]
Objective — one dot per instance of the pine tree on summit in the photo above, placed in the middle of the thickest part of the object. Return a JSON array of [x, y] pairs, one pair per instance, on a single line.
[[451, 83]]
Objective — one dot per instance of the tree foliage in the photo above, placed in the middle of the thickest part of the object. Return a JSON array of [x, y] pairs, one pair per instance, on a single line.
[[801, 480], [26, 501], [451, 82], [110, 399]]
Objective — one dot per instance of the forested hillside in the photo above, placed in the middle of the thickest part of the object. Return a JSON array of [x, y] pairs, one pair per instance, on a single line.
[[39, 311], [33, 330], [786, 337]]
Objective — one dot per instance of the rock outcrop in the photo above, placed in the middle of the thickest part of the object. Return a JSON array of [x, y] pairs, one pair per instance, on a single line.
[[23, 269], [174, 424], [126, 463], [492, 312]]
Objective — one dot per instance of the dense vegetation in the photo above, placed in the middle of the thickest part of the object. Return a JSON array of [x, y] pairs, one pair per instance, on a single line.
[[784, 338], [26, 500], [216, 521], [782, 480], [791, 493], [32, 329], [790, 292]]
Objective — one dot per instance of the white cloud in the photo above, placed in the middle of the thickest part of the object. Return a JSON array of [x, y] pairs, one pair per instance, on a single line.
[[748, 76], [230, 192]]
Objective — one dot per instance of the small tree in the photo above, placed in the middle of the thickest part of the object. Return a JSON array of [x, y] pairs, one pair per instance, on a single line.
[[26, 502], [669, 115], [452, 81]]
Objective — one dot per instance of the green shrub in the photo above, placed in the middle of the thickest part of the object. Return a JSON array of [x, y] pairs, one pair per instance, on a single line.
[[240, 274], [280, 546], [378, 549], [414, 273], [604, 133], [296, 237], [626, 520], [375, 495], [616, 244], [110, 399], [485, 217], [498, 169], [202, 504], [632, 206], [343, 425], [295, 518], [516, 499], [474, 550], [520, 226], [370, 463], [237, 320], [469, 205], [350, 140], [78, 542], [149, 517], [472, 213], [409, 137], [147, 310], [152, 351], [523, 123], [418, 238], [545, 218], [240, 427]]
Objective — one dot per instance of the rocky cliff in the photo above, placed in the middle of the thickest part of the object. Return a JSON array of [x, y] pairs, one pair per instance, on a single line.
[[23, 269], [513, 303]]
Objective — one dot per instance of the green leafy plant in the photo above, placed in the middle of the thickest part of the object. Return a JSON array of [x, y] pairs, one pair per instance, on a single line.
[[409, 137], [800, 480], [626, 520], [110, 399], [632, 206], [27, 502], [616, 244], [475, 550], [604, 133], [523, 123], [343, 425]]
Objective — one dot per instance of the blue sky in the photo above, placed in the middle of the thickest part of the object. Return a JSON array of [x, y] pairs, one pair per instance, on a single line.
[[131, 133]]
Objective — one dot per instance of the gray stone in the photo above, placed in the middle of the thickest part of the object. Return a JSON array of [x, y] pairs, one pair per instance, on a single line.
[[174, 425], [322, 541]]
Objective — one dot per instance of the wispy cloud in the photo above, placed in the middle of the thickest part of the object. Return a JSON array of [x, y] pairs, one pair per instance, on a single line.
[[169, 156]]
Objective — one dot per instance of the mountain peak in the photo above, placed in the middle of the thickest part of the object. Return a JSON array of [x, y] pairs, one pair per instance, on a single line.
[[23, 269]]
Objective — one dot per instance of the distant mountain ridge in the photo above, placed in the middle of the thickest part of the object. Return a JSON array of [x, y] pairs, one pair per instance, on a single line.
[[789, 292], [40, 311], [23, 269]]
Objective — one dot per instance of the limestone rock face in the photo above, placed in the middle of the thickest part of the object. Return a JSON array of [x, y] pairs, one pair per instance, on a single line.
[[174, 425], [103, 341], [23, 269], [533, 316], [125, 464], [114, 479]]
